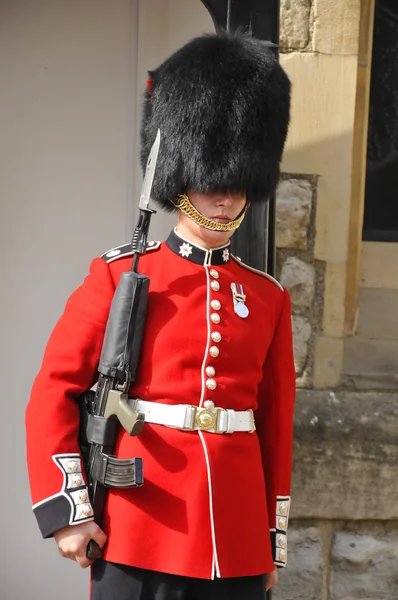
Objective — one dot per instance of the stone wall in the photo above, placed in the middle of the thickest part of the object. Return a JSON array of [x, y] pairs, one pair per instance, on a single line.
[[319, 43], [297, 269], [296, 25], [340, 562], [343, 531], [295, 217]]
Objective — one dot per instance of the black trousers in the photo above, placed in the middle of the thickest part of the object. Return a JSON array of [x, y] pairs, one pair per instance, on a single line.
[[111, 581]]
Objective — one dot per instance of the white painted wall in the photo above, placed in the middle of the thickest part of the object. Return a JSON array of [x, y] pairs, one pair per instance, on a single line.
[[164, 26], [66, 161], [72, 74]]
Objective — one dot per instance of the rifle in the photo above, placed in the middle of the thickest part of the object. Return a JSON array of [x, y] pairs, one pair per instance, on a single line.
[[104, 410]]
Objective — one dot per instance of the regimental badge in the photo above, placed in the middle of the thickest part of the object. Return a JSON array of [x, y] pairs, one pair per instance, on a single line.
[[239, 299], [185, 249]]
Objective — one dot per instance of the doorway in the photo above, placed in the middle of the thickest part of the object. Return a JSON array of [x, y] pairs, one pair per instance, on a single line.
[[381, 196]]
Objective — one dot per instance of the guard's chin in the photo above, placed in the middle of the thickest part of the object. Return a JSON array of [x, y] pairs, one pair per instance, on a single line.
[[217, 238]]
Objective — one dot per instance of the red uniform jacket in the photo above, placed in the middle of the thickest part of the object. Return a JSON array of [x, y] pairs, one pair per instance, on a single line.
[[209, 501]]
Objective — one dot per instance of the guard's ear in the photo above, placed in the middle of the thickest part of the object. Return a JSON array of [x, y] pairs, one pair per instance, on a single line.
[[149, 86], [149, 83]]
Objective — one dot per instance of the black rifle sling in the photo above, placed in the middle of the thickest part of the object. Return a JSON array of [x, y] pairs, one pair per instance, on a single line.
[[125, 328]]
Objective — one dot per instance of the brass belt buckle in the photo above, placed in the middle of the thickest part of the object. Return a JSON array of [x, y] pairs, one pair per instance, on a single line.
[[207, 418]]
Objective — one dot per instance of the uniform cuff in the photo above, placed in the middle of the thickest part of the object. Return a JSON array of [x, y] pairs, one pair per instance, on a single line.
[[71, 505], [279, 534]]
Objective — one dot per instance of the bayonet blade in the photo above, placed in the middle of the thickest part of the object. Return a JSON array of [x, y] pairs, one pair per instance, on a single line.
[[149, 173]]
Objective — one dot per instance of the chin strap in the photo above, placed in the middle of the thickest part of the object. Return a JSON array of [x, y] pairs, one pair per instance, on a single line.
[[184, 204]]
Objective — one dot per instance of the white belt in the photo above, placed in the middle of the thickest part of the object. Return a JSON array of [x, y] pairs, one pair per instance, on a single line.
[[192, 418]]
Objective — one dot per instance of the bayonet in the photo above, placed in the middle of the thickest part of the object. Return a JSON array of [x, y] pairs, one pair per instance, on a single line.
[[140, 235], [149, 173]]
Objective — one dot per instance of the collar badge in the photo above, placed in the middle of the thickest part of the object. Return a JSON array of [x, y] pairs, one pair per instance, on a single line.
[[185, 249], [225, 255]]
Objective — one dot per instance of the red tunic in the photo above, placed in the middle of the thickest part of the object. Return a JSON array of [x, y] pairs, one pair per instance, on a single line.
[[209, 501]]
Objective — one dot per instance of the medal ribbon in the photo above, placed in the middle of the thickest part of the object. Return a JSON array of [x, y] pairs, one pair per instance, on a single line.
[[239, 298]]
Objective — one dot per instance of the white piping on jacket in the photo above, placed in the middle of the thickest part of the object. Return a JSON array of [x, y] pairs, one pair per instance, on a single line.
[[215, 566]]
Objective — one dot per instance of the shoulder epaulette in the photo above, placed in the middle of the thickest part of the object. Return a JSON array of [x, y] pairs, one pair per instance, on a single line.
[[262, 273], [125, 250]]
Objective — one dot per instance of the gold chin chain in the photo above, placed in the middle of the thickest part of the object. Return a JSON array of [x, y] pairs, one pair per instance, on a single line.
[[184, 204]]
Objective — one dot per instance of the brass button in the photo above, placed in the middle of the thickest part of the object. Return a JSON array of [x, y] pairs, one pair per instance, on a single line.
[[84, 511], [215, 304], [214, 273], [73, 466], [83, 496], [214, 351], [211, 384], [283, 508], [282, 555], [282, 523], [210, 371], [281, 541], [215, 318], [76, 480], [215, 286], [216, 336]]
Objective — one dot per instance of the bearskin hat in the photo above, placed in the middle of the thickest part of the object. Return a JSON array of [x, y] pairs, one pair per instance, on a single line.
[[221, 103]]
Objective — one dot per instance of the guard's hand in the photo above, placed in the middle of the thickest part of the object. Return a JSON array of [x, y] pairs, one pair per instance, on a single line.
[[72, 541], [271, 579]]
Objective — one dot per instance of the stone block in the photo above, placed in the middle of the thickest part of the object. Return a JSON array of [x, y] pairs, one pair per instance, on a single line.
[[320, 138], [298, 278], [302, 578], [377, 315], [379, 265], [332, 218], [294, 24], [364, 566], [301, 336], [293, 211], [345, 456], [370, 356], [336, 26], [328, 361]]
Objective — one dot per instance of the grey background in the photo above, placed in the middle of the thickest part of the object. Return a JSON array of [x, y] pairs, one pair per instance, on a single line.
[[72, 73]]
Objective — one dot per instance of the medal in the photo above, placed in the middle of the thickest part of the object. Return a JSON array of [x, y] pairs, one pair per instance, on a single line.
[[239, 299]]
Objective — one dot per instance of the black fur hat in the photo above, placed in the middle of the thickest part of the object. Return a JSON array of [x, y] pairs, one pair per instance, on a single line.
[[221, 103]]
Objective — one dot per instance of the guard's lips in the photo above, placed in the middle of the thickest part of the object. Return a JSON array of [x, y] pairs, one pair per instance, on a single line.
[[222, 218]]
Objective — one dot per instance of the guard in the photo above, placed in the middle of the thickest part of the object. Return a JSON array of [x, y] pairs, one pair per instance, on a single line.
[[216, 378]]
